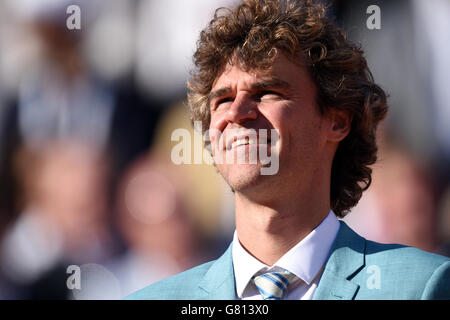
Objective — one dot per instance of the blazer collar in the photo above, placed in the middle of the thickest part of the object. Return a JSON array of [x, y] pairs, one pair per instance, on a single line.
[[346, 258], [218, 281]]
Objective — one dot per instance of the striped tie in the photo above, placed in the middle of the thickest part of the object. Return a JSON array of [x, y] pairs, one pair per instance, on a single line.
[[272, 285]]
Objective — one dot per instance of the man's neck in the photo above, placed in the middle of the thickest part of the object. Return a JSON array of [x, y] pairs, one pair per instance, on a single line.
[[268, 231]]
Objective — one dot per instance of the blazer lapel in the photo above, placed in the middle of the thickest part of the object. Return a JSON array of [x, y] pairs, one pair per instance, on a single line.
[[345, 260], [218, 282]]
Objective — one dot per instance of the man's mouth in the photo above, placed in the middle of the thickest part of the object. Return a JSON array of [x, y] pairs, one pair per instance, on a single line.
[[243, 142]]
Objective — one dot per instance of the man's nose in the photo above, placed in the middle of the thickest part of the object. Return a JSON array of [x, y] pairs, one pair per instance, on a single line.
[[241, 110]]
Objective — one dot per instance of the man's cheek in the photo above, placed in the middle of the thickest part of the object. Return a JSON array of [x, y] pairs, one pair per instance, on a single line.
[[216, 140]]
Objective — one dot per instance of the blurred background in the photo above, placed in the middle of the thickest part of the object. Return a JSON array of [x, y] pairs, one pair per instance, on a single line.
[[86, 118]]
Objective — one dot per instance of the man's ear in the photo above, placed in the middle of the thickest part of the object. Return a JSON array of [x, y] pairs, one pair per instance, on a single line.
[[340, 122]]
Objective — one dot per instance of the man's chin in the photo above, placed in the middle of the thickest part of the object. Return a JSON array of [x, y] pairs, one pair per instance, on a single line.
[[243, 177]]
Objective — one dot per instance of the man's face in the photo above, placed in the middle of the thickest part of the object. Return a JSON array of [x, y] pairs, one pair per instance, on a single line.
[[282, 98]]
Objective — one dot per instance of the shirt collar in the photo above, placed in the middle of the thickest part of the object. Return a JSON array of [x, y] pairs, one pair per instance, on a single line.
[[305, 259]]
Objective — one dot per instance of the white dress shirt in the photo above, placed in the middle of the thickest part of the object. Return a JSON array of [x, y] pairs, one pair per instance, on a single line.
[[306, 260]]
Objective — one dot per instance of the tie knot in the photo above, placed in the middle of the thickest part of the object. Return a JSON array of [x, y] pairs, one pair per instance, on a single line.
[[273, 285]]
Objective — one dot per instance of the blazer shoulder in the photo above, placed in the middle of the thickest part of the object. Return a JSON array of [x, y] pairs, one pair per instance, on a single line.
[[414, 273], [182, 286], [401, 254]]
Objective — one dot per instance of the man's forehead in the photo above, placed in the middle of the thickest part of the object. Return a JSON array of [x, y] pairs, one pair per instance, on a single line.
[[279, 74], [250, 74], [231, 76], [266, 82]]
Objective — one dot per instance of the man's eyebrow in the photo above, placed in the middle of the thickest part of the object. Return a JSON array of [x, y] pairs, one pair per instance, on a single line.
[[260, 85], [219, 93], [271, 83]]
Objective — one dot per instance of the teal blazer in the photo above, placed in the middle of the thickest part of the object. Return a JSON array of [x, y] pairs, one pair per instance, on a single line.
[[355, 269]]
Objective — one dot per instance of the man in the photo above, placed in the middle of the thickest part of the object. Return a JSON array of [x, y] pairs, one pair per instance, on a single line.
[[281, 65]]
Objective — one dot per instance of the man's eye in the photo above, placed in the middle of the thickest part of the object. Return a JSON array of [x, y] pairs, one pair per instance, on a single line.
[[222, 101], [269, 95]]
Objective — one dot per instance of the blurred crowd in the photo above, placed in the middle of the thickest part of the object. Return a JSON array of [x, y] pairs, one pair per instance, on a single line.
[[86, 118]]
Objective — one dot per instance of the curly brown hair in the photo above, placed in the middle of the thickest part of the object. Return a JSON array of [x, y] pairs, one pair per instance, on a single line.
[[253, 33]]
